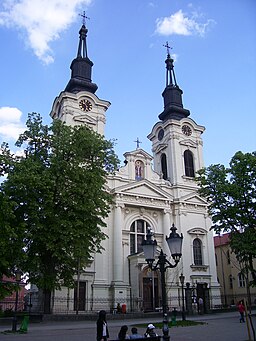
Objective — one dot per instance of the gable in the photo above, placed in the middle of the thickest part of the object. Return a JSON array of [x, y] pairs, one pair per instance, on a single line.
[[85, 119], [188, 143], [139, 154], [143, 188], [197, 231], [193, 199], [160, 147]]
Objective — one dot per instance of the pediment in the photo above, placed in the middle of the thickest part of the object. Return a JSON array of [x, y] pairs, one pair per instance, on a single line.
[[193, 199], [85, 119], [143, 188], [160, 147], [188, 143], [139, 154], [197, 231]]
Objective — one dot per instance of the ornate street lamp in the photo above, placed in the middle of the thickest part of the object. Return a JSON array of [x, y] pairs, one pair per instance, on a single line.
[[149, 246], [14, 320], [182, 281]]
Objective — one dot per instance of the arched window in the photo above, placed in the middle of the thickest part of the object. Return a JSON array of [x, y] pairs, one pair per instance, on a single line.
[[138, 232], [164, 166], [197, 251], [189, 163], [228, 257], [139, 170], [230, 281]]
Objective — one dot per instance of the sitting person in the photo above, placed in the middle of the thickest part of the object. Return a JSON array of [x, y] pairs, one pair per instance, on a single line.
[[135, 334], [122, 335], [150, 331]]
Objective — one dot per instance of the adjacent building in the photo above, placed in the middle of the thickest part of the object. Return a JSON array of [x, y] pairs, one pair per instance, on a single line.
[[232, 275]]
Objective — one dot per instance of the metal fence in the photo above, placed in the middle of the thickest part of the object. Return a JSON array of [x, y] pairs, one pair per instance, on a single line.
[[66, 305]]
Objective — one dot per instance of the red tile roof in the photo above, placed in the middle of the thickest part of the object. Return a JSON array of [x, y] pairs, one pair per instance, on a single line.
[[221, 240]]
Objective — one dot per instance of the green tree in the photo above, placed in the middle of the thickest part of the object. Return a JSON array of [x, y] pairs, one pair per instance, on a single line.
[[11, 246], [11, 236], [231, 193], [59, 190]]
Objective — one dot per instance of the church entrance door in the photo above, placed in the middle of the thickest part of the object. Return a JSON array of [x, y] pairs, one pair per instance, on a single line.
[[150, 291], [203, 293], [80, 297]]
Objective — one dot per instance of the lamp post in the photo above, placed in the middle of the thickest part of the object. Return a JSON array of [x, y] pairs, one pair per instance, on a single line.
[[182, 280], [149, 246], [14, 320]]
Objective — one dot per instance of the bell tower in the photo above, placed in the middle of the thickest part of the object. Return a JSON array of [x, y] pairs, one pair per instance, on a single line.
[[176, 138], [78, 104]]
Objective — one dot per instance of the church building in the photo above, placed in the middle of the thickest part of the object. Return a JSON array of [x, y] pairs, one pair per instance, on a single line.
[[150, 191]]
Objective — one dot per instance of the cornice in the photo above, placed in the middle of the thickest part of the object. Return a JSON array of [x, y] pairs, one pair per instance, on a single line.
[[139, 200]]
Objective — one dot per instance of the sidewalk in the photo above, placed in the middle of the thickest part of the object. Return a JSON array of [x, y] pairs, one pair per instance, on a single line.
[[220, 327]]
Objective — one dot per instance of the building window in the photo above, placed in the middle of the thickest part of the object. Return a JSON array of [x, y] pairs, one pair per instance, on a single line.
[[197, 251], [230, 281], [228, 257], [164, 166], [189, 163], [139, 170], [138, 232], [241, 280]]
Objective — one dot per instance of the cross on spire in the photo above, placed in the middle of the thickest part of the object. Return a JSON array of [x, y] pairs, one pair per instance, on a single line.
[[167, 47], [84, 17], [138, 143]]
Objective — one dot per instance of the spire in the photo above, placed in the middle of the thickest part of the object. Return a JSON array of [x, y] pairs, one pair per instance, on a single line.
[[172, 94], [81, 66]]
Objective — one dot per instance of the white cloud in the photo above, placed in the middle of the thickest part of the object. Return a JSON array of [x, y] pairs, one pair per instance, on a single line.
[[42, 21], [181, 24], [10, 123], [151, 4]]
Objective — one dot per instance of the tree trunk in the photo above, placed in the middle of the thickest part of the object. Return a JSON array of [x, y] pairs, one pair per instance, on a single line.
[[47, 301]]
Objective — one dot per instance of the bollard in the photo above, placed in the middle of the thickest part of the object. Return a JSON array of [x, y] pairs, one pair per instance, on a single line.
[[174, 316], [24, 324]]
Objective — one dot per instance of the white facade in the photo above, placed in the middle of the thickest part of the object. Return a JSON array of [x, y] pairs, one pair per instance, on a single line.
[[145, 197], [66, 108]]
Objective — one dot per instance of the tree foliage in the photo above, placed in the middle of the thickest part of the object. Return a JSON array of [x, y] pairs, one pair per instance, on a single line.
[[57, 198], [231, 193]]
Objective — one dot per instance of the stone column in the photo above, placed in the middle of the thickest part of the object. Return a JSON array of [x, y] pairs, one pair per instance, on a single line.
[[188, 299], [166, 230], [117, 245]]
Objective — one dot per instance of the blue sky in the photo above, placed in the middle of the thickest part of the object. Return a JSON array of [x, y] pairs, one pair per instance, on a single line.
[[215, 64]]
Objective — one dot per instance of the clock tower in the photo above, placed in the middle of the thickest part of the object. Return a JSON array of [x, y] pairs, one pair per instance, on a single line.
[[78, 104], [176, 138]]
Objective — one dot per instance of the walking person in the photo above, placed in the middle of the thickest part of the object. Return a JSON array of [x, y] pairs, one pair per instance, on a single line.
[[122, 335], [201, 305], [241, 309], [102, 327]]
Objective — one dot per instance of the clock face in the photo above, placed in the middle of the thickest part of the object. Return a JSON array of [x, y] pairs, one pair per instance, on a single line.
[[186, 130], [160, 134], [85, 105]]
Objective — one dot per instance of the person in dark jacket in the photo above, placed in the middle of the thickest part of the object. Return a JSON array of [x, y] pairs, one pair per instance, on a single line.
[[122, 335], [102, 327], [150, 331]]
